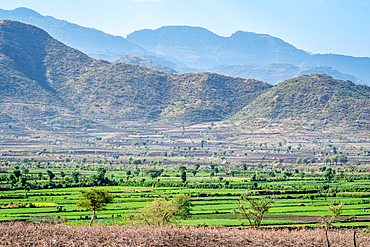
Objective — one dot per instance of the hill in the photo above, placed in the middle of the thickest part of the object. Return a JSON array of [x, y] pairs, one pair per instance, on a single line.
[[275, 73], [316, 100], [45, 79]]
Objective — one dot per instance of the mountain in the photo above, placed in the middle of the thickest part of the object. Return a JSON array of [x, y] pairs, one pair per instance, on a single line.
[[92, 42], [43, 79], [81, 38], [31, 66], [317, 100], [358, 66], [278, 72], [192, 49], [197, 47]]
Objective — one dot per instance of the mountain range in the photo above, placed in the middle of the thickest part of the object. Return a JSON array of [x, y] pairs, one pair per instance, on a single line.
[[44, 80], [194, 49]]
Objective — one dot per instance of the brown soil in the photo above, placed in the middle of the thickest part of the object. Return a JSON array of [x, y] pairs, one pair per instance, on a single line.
[[40, 234]]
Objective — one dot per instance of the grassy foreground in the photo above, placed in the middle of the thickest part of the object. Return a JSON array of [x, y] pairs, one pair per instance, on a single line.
[[43, 234]]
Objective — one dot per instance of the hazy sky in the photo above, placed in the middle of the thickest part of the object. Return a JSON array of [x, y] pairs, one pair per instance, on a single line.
[[318, 26]]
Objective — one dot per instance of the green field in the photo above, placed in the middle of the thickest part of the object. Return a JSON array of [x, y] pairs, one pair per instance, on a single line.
[[213, 199]]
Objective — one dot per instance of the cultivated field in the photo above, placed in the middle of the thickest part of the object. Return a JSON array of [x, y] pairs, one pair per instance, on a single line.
[[43, 167]]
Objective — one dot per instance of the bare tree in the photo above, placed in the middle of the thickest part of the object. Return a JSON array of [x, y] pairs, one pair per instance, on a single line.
[[255, 209], [327, 222]]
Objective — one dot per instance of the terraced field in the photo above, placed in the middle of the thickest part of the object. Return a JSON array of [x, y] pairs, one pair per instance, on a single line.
[[210, 206]]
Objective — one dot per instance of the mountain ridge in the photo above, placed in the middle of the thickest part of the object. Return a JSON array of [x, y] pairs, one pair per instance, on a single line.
[[53, 80], [205, 51], [81, 38], [44, 80]]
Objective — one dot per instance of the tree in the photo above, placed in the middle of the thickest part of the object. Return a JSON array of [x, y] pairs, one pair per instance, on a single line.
[[327, 160], [183, 177], [75, 176], [94, 199], [25, 171], [25, 185], [197, 166], [334, 159], [100, 176], [327, 223], [329, 174], [343, 159], [153, 173], [255, 210], [312, 197], [62, 174], [305, 161], [244, 167], [202, 142], [163, 211], [50, 174], [12, 179], [136, 162], [298, 160], [182, 169], [17, 173], [216, 170]]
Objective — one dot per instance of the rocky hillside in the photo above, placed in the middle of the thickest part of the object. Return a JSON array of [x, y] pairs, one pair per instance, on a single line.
[[45, 79], [317, 99]]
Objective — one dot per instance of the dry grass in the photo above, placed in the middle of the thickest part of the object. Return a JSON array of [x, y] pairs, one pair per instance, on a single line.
[[40, 234]]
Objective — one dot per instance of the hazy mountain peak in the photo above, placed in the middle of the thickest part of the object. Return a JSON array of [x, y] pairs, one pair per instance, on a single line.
[[24, 12], [82, 38]]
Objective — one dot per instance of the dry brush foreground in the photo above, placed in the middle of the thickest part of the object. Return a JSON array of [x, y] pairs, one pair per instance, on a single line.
[[44, 234]]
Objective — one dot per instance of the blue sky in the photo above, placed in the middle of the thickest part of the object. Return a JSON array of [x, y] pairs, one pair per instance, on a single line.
[[318, 26]]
